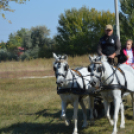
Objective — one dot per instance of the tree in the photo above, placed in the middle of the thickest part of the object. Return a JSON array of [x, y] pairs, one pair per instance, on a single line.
[[127, 20], [47, 49], [39, 34], [4, 6], [3, 45], [79, 30], [17, 39]]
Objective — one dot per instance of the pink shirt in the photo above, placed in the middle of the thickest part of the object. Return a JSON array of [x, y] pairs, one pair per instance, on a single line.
[[125, 52]]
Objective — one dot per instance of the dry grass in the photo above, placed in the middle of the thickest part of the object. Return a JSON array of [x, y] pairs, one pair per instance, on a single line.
[[41, 64], [31, 106], [36, 67]]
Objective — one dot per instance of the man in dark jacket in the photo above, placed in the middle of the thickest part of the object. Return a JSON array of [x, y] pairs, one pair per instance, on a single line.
[[109, 45]]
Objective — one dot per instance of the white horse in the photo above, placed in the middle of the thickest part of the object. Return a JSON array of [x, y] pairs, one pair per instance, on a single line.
[[105, 74], [67, 78]]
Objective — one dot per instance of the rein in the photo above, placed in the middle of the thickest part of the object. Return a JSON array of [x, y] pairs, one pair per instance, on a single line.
[[72, 89], [77, 74], [112, 86]]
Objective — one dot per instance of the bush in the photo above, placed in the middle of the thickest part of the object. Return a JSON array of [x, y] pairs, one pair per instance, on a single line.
[[3, 55], [12, 56], [30, 54]]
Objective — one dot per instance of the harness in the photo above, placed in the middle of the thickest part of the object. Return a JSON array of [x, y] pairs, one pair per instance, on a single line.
[[73, 89], [110, 86]]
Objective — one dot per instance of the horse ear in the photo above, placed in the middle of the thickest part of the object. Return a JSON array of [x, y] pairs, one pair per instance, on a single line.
[[91, 59], [55, 56], [95, 56]]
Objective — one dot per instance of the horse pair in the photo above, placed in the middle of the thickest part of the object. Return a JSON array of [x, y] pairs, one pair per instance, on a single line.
[[100, 72]]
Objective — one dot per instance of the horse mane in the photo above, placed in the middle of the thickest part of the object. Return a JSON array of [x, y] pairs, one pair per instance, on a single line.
[[103, 58]]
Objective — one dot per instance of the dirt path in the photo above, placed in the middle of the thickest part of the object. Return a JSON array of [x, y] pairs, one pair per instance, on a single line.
[[27, 74], [35, 77]]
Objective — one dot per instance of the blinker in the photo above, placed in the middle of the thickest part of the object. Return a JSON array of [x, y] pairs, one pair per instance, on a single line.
[[54, 68], [99, 69], [91, 68], [66, 67]]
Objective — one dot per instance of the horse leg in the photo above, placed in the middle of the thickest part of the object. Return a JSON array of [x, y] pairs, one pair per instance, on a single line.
[[75, 116], [122, 125], [85, 123], [132, 95], [117, 102], [63, 113], [107, 112], [91, 107]]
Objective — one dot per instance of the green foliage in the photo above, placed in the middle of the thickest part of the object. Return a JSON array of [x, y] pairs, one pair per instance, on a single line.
[[4, 6], [3, 55], [39, 34], [79, 30], [3, 45], [47, 49], [32, 40], [127, 20], [18, 38]]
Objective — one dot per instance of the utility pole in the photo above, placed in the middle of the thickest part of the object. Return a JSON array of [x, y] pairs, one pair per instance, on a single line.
[[117, 18]]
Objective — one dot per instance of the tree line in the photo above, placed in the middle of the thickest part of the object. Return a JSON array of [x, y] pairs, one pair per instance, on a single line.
[[78, 33]]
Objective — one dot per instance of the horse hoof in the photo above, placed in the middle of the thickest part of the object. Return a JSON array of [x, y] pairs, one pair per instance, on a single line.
[[67, 122], [74, 133], [115, 132], [85, 125], [111, 122], [122, 126]]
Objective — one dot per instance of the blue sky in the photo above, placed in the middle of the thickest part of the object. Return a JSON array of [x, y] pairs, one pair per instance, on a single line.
[[44, 12]]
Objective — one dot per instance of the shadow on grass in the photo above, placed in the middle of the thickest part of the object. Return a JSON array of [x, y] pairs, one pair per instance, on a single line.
[[129, 117], [69, 114], [36, 128], [52, 126], [40, 128]]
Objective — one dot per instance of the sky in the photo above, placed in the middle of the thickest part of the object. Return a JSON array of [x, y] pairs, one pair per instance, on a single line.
[[44, 12]]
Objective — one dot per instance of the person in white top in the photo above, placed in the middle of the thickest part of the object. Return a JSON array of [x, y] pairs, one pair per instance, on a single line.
[[129, 52]]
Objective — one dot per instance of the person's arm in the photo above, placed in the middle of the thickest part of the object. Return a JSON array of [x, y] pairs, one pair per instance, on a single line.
[[118, 48], [125, 53]]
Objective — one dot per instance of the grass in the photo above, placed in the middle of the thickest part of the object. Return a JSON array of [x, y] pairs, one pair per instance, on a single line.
[[31, 106], [37, 67]]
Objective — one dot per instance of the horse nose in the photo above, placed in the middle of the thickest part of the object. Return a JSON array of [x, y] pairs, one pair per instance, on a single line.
[[59, 82]]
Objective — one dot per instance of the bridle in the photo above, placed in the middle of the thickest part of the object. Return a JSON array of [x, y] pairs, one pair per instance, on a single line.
[[74, 73], [66, 68], [100, 69], [92, 68]]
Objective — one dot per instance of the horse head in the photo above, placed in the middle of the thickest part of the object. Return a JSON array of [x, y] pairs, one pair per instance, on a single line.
[[96, 68], [60, 67]]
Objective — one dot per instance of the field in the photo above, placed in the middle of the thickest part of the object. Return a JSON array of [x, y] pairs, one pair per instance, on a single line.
[[32, 106]]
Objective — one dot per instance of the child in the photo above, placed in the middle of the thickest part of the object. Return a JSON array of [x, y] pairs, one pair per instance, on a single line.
[[129, 52]]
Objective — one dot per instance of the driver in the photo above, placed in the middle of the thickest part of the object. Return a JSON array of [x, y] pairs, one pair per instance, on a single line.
[[109, 45]]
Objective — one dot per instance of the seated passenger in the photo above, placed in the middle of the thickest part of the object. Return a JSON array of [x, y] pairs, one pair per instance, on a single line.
[[109, 45], [129, 52]]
